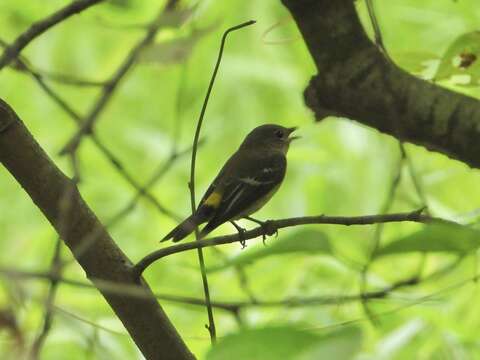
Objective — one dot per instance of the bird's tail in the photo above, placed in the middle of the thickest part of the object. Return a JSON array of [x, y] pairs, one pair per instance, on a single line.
[[207, 229], [183, 229]]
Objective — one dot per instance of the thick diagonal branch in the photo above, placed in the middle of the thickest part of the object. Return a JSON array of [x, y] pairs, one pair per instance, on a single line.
[[144, 319], [355, 80]]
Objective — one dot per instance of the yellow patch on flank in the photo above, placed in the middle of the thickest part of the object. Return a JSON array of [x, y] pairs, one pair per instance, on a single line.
[[213, 200]]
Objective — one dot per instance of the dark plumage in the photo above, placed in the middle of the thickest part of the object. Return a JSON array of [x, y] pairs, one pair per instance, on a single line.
[[245, 183]]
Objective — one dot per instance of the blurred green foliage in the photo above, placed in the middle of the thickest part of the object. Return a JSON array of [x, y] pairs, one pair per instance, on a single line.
[[338, 168]]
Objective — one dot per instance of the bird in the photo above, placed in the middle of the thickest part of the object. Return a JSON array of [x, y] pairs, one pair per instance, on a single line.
[[245, 183]]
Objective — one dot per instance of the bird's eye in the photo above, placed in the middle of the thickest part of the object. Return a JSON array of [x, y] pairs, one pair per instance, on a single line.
[[279, 134]]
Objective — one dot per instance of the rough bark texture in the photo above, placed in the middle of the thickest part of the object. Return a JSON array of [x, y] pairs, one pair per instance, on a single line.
[[355, 80], [49, 189]]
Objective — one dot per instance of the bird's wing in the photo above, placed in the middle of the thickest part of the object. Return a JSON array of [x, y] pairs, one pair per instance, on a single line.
[[245, 190], [213, 196]]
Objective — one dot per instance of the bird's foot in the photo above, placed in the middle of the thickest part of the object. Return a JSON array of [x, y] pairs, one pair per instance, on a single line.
[[241, 234], [267, 227]]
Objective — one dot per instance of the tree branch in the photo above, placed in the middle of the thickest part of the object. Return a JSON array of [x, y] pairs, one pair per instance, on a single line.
[[211, 320], [109, 155], [55, 268], [39, 27], [144, 319], [134, 291], [271, 226], [111, 85], [355, 80], [236, 306]]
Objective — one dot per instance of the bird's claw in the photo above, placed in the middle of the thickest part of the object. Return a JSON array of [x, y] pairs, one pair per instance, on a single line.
[[268, 230], [241, 234]]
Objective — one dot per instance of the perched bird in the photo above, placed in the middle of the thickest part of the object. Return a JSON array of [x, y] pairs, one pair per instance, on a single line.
[[245, 183]]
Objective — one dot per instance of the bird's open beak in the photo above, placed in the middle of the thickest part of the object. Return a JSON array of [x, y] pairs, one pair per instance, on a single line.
[[291, 138]]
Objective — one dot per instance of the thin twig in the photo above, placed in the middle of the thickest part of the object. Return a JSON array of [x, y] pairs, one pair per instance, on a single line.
[[21, 64], [69, 80], [396, 180], [376, 29], [417, 184], [377, 236], [162, 169], [111, 157], [387, 205], [111, 85], [412, 303], [39, 27], [177, 114], [55, 268], [241, 275], [57, 265], [235, 306], [86, 321], [271, 226], [157, 175], [175, 154], [211, 322]]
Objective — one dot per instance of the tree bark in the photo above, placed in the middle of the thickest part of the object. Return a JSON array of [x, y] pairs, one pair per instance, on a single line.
[[61, 203], [355, 80]]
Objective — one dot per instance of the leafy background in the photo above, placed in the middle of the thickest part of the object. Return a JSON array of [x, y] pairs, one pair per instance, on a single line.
[[338, 168]]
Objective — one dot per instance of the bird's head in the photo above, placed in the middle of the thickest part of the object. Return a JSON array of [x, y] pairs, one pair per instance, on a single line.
[[270, 137]]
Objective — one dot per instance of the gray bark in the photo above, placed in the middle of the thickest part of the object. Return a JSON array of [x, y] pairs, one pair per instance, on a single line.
[[102, 260], [355, 80]]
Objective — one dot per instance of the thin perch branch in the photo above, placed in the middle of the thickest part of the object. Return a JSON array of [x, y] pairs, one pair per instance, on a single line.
[[271, 227]]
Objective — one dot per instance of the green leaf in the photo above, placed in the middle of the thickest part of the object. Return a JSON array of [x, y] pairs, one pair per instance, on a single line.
[[123, 4], [414, 61], [305, 241], [391, 345], [342, 344], [462, 58], [177, 18], [436, 237], [169, 52], [286, 342], [174, 51]]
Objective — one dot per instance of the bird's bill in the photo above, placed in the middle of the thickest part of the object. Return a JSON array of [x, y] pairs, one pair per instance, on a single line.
[[291, 130]]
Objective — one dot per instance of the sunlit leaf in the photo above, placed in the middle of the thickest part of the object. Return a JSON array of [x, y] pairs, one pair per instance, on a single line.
[[342, 344], [436, 237], [287, 343], [414, 62], [391, 344], [462, 58], [304, 241]]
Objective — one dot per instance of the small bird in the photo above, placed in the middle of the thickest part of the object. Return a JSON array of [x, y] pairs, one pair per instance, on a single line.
[[245, 183]]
